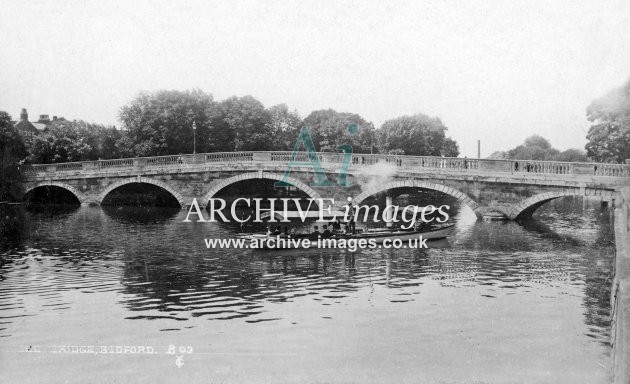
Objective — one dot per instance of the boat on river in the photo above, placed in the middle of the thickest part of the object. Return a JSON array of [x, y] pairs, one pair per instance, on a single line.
[[381, 234], [372, 235]]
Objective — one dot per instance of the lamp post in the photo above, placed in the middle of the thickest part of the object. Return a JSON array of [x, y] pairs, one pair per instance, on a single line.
[[194, 137], [371, 142]]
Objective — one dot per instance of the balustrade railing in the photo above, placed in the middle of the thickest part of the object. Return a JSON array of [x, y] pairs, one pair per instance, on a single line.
[[615, 170], [164, 160], [117, 163], [522, 166], [219, 157], [407, 163]]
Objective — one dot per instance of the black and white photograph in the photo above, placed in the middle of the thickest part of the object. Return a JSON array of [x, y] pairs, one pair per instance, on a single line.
[[315, 192]]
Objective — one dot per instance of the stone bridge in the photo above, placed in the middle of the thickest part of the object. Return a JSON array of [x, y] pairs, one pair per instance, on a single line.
[[515, 188]]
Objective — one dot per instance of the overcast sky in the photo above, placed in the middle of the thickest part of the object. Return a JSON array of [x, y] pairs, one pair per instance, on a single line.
[[497, 71]]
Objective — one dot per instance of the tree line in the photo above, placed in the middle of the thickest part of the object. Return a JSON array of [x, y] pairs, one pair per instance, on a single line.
[[537, 147], [161, 123], [13, 154], [608, 138]]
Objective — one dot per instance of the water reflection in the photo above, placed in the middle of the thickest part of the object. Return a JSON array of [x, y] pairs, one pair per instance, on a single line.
[[12, 225], [156, 268], [127, 214]]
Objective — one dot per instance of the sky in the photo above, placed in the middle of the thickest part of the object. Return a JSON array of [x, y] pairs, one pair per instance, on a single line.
[[495, 71]]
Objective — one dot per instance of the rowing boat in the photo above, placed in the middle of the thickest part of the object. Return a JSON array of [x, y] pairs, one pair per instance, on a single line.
[[379, 235], [375, 236]]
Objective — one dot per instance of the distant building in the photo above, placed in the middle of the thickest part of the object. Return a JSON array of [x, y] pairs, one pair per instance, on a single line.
[[29, 129]]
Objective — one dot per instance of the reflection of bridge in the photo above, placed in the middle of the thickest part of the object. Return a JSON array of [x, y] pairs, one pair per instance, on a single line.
[[513, 187]]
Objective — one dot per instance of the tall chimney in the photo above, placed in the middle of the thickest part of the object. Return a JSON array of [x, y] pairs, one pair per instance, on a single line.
[[24, 115]]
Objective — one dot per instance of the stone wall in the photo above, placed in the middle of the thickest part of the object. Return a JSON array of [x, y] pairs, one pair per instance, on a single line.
[[620, 332]]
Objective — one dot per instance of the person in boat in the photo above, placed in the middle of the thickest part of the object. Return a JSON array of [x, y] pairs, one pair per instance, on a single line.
[[326, 234], [336, 225], [351, 223], [315, 234], [277, 231]]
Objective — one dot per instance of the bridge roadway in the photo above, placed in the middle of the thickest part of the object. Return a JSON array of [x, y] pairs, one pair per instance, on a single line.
[[514, 188]]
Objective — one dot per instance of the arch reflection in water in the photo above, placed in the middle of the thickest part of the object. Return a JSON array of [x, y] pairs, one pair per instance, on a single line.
[[142, 194], [507, 288], [52, 195], [141, 215]]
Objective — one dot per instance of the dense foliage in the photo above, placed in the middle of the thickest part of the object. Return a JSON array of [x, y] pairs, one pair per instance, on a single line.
[[161, 123], [12, 155], [242, 124], [284, 125], [537, 147], [609, 137], [330, 129], [67, 141], [416, 135]]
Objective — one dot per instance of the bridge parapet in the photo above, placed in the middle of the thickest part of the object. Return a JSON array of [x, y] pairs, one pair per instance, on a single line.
[[357, 161], [515, 188]]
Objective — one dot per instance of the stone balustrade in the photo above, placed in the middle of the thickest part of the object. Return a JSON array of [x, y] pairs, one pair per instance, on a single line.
[[406, 163]]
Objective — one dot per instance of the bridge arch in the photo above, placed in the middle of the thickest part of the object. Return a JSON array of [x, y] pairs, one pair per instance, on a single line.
[[78, 194], [145, 180], [528, 206], [460, 196], [258, 175]]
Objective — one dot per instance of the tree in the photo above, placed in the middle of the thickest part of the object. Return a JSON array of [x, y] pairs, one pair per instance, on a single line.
[[537, 147], [242, 124], [330, 129], [498, 155], [62, 142], [449, 148], [523, 152], [418, 135], [104, 142], [284, 126], [537, 141], [572, 154], [609, 138], [160, 123], [12, 155]]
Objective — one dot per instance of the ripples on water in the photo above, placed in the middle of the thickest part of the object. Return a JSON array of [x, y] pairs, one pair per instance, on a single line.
[[495, 299]]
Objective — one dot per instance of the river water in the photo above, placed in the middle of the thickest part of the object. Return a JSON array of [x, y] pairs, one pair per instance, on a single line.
[[496, 303]]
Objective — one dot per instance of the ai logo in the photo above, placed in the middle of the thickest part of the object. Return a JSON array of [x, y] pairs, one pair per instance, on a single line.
[[321, 180]]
